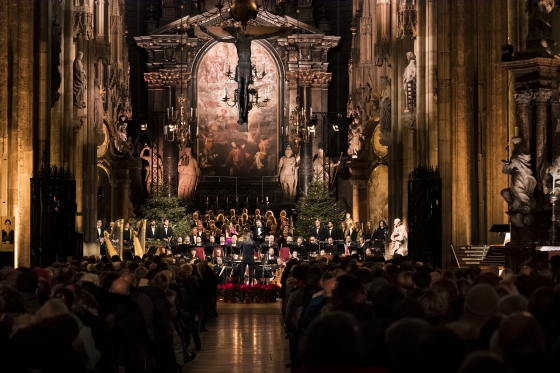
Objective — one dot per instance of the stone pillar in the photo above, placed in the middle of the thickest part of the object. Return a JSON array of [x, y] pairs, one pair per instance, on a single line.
[[525, 110], [4, 43], [542, 120], [356, 185]]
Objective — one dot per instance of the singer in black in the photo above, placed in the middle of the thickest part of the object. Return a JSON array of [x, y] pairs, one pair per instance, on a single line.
[[247, 256]]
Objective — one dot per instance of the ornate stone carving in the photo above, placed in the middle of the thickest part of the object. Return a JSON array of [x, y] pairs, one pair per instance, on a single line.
[[83, 24], [542, 95], [382, 52], [80, 82], [98, 113], [406, 19], [519, 195], [524, 97]]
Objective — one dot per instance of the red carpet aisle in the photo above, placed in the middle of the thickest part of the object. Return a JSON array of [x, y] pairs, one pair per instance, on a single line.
[[243, 338]]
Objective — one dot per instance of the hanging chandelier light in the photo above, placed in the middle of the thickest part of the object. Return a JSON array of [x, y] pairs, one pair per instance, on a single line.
[[254, 98], [177, 128], [242, 11]]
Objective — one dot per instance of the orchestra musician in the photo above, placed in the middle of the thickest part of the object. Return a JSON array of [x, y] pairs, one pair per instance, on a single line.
[[259, 232], [318, 231], [295, 255], [247, 256], [269, 256], [330, 247], [347, 246]]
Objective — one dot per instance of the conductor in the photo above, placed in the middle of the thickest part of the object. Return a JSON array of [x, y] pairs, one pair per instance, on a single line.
[[247, 253]]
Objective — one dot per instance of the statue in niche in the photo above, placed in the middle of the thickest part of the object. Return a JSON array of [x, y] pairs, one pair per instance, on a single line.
[[56, 77], [80, 82], [355, 137], [288, 170], [121, 136], [243, 71], [519, 196], [98, 113], [189, 173], [322, 167], [409, 82], [385, 113]]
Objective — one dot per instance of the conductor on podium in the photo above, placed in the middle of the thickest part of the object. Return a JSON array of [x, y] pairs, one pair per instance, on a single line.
[[247, 256]]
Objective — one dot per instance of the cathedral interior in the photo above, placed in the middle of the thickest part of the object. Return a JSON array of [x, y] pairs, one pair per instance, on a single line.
[[442, 113]]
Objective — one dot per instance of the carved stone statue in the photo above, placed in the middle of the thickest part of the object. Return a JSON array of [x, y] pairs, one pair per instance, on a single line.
[[322, 167], [80, 82], [189, 173], [551, 178], [98, 113], [519, 195], [288, 170], [355, 137], [385, 114], [409, 82], [242, 42], [121, 136]]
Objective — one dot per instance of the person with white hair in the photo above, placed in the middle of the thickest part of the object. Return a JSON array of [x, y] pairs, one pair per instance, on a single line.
[[399, 239]]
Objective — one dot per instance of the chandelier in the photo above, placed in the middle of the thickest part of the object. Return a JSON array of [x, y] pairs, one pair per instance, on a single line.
[[243, 11], [177, 128], [254, 98]]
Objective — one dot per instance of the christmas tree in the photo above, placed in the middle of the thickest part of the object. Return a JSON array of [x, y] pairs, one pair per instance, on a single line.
[[162, 204], [318, 204]]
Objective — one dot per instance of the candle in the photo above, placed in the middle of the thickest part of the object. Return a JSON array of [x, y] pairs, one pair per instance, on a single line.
[[236, 199], [171, 110], [310, 111], [247, 199], [257, 200], [516, 131], [216, 198], [207, 199], [191, 112], [167, 111], [266, 199]]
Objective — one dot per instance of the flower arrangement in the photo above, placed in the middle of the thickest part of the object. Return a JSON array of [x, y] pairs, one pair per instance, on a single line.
[[231, 293]]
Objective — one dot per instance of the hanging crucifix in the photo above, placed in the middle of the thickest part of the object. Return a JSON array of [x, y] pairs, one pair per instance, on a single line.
[[242, 41]]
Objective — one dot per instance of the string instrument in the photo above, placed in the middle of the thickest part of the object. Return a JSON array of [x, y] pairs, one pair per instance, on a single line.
[[110, 248], [278, 276]]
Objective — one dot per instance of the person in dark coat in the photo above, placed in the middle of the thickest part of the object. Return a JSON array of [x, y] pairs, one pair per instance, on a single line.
[[247, 256]]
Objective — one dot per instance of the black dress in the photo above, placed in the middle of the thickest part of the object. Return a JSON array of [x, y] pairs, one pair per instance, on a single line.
[[379, 238]]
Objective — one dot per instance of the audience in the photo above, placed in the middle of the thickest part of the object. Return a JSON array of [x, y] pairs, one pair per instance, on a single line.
[[98, 315], [345, 315], [410, 317]]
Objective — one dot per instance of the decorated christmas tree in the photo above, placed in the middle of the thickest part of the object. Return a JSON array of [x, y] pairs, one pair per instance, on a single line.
[[162, 204], [318, 204]]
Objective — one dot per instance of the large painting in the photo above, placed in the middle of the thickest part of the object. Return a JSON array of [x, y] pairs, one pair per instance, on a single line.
[[225, 147]]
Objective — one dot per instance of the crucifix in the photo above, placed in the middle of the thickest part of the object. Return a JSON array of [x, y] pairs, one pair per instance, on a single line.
[[242, 41]]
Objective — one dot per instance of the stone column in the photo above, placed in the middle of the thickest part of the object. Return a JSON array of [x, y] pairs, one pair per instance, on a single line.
[[525, 111], [542, 120], [356, 185]]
